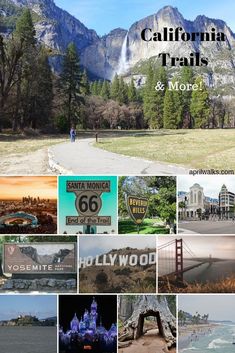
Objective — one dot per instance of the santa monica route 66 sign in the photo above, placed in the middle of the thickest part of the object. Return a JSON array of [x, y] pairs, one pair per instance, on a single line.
[[88, 202]]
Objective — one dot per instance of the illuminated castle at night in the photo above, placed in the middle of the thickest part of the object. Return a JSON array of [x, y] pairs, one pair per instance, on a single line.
[[87, 330], [87, 322]]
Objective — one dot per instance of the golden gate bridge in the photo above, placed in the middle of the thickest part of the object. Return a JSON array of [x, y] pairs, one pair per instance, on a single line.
[[175, 258]]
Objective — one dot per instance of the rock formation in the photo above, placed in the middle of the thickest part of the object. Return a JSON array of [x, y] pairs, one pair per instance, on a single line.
[[124, 52]]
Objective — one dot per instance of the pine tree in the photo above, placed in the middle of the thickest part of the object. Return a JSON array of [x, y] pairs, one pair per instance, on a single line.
[[168, 115], [114, 92], [105, 90], [25, 35], [99, 87], [122, 92], [70, 84], [94, 88], [10, 59], [172, 110], [147, 89], [25, 30], [41, 101], [200, 107], [154, 99], [85, 87], [186, 76], [132, 93]]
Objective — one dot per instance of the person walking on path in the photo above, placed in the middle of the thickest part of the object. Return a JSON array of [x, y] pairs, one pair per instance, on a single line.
[[72, 134]]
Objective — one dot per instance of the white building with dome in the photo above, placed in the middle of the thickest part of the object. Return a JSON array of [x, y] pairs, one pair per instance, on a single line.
[[193, 205]]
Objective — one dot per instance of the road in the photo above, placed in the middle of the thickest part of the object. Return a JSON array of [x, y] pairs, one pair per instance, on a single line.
[[83, 158], [206, 227]]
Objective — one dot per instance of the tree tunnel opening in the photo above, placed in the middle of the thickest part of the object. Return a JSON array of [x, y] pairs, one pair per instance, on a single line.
[[141, 329]]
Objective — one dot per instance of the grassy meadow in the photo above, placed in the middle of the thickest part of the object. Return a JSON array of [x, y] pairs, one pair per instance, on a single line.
[[148, 226], [197, 148], [11, 144]]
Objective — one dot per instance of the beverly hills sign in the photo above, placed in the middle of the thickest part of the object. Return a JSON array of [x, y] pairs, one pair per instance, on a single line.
[[137, 208], [118, 260]]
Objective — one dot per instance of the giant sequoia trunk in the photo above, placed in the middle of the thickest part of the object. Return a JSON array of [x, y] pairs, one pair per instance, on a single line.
[[155, 306], [125, 307]]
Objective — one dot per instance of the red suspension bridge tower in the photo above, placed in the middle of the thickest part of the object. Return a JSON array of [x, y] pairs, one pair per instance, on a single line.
[[179, 259]]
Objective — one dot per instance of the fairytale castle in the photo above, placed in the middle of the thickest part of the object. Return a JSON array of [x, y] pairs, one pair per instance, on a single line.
[[86, 332], [87, 322]]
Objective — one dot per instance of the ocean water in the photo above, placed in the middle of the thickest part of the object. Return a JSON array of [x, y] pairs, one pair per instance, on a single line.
[[202, 274], [28, 339], [220, 340]]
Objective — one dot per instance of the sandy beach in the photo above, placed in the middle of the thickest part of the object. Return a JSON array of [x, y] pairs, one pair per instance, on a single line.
[[190, 333]]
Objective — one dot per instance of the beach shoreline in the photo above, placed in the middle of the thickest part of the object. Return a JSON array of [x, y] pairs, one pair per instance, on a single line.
[[192, 333]]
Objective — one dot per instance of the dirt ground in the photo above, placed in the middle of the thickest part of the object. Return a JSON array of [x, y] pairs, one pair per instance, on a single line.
[[26, 164], [151, 342]]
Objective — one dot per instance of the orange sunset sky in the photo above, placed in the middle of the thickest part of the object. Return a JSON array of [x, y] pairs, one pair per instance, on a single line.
[[14, 188]]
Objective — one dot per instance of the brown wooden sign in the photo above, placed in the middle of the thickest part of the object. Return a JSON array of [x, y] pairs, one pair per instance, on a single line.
[[38, 258], [137, 208]]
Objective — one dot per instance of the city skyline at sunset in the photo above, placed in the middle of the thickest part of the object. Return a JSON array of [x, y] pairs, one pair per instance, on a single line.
[[15, 188]]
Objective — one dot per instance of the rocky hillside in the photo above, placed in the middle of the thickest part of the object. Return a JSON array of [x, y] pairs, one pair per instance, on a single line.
[[56, 27], [124, 51]]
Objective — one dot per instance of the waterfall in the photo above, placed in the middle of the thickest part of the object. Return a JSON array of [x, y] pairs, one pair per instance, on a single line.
[[123, 64]]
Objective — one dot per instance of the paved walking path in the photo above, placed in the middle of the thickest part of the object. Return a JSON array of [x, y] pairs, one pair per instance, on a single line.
[[82, 158]]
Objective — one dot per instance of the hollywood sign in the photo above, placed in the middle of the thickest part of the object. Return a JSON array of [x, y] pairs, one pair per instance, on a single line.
[[118, 260]]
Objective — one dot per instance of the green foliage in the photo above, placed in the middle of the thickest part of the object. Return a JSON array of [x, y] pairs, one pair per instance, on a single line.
[[101, 278], [27, 100], [123, 272], [12, 11], [85, 86], [25, 29], [161, 193], [70, 84], [42, 91], [122, 92], [186, 76], [94, 88], [132, 92], [148, 226], [114, 93], [200, 106], [99, 87], [33, 75], [62, 124], [169, 113], [105, 90], [154, 99]]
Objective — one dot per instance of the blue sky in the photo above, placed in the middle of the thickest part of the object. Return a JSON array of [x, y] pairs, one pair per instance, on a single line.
[[105, 15], [219, 307], [211, 185], [42, 306]]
